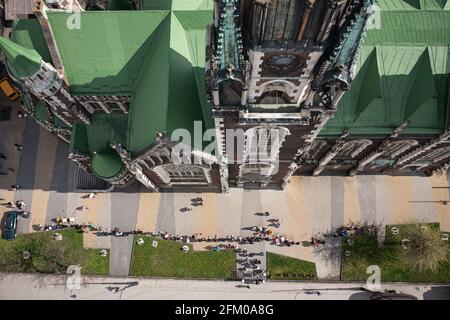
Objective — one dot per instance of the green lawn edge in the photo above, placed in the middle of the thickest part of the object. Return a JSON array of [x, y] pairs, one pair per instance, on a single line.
[[168, 260], [90, 260], [282, 267], [390, 258]]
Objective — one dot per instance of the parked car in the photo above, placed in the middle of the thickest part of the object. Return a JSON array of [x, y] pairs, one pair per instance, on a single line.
[[9, 90], [9, 231], [392, 296]]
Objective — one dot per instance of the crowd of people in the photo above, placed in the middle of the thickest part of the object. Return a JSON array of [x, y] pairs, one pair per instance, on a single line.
[[251, 267], [260, 233], [352, 229], [258, 236]]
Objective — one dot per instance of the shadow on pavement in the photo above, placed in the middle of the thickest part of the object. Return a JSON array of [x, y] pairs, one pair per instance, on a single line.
[[437, 293]]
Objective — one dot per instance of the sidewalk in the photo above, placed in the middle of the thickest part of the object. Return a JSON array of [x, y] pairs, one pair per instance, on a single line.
[[54, 288]]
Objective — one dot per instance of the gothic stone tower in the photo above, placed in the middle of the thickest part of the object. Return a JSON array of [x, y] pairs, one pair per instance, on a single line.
[[276, 70], [42, 82]]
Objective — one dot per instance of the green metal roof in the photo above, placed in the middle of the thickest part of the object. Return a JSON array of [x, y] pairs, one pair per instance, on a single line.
[[413, 4], [156, 56], [22, 62], [28, 33], [106, 164], [119, 5], [104, 130], [395, 84], [402, 74], [79, 141], [179, 5], [105, 56], [411, 28], [171, 92], [59, 123], [41, 112]]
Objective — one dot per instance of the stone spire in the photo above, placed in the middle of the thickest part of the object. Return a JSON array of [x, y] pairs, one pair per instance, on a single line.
[[22, 62]]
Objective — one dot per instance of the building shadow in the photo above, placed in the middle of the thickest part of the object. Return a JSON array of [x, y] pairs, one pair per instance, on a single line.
[[437, 293]]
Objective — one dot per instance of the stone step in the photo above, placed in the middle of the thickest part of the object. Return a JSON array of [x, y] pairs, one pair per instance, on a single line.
[[86, 182], [243, 260]]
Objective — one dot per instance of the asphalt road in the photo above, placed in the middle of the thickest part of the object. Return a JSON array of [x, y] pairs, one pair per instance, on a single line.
[[18, 286]]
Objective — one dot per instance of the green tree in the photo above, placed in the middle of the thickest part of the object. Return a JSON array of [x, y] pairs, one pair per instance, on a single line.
[[426, 249], [46, 256]]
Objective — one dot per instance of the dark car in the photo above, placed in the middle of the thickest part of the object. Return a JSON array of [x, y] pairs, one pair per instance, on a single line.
[[9, 231], [392, 296]]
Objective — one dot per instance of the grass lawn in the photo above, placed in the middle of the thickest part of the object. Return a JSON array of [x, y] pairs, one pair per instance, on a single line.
[[391, 259], [168, 260], [50, 256], [286, 268]]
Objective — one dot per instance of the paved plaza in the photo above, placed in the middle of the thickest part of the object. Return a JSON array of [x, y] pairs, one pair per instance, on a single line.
[[308, 206]]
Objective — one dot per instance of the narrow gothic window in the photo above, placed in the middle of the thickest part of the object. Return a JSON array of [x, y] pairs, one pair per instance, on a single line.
[[113, 106], [263, 143], [352, 148], [399, 147], [96, 106], [182, 174], [316, 148], [437, 155]]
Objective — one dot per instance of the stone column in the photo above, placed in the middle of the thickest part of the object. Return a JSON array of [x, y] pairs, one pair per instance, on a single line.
[[216, 99], [337, 97], [327, 20], [292, 167], [263, 22], [308, 7], [216, 13], [244, 97], [223, 167]]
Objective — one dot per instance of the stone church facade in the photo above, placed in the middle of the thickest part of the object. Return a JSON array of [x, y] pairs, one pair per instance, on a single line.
[[302, 87]]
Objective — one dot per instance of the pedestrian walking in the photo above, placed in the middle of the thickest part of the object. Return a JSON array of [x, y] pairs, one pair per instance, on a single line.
[[11, 204], [279, 221], [20, 205]]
